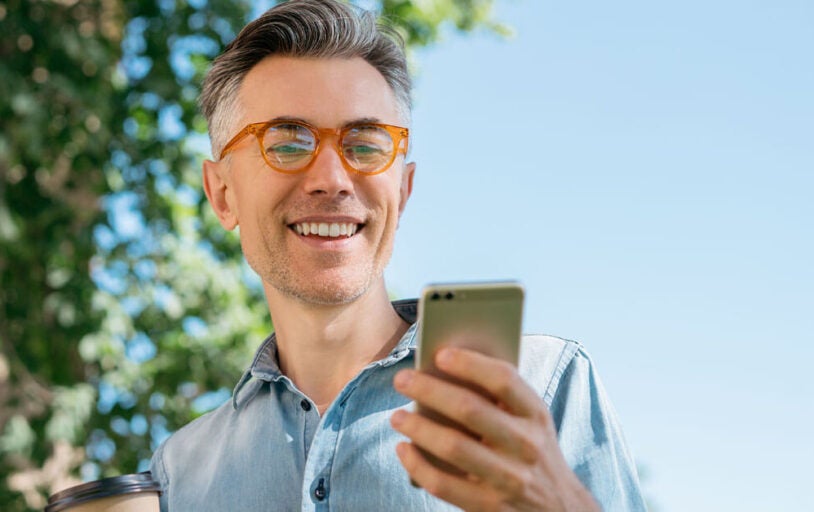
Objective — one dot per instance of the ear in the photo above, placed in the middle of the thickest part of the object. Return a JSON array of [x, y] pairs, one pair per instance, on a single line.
[[406, 185], [220, 193]]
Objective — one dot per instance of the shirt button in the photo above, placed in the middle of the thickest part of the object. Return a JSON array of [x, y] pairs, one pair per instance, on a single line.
[[320, 492], [306, 405]]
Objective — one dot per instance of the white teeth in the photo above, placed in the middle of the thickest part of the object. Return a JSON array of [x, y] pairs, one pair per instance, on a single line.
[[333, 230]]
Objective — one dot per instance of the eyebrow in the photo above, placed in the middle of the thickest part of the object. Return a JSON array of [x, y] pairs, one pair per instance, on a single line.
[[361, 120]]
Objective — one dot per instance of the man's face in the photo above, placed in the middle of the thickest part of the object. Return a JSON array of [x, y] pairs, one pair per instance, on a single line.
[[271, 207]]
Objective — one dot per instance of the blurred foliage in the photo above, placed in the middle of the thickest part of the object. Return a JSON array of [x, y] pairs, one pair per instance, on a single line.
[[125, 310]]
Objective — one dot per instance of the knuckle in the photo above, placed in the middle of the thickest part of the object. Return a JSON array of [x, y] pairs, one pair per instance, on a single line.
[[515, 483], [469, 409], [435, 485], [529, 448], [490, 504], [453, 449]]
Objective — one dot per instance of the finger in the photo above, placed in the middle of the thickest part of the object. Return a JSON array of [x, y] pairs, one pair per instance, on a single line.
[[450, 488], [498, 428], [460, 450], [453, 401], [499, 378]]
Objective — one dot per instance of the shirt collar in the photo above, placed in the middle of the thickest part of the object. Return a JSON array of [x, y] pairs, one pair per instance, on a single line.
[[264, 366]]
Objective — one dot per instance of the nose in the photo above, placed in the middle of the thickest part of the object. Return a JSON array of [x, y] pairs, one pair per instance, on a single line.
[[326, 175]]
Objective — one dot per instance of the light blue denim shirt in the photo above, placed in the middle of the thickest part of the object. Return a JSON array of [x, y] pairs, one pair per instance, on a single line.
[[269, 450]]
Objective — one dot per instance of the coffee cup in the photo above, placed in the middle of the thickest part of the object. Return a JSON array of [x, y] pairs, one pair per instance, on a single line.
[[126, 493]]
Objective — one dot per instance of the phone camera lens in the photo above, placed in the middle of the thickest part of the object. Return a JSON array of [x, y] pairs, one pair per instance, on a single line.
[[449, 296], [435, 296]]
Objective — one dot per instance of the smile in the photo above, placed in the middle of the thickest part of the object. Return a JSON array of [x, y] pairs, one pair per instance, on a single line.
[[325, 229]]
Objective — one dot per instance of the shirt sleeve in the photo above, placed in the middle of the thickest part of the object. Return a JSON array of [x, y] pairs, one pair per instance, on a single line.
[[159, 474], [591, 438]]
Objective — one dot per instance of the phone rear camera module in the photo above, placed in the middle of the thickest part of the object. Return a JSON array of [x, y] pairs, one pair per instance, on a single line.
[[435, 296], [449, 296]]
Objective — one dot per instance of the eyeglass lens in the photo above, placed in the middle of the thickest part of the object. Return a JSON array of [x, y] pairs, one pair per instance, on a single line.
[[290, 146]]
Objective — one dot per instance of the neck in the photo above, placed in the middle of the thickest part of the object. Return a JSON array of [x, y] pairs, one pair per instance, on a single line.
[[321, 348]]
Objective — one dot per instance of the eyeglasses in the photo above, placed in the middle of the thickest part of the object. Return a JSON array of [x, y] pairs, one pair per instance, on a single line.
[[290, 146]]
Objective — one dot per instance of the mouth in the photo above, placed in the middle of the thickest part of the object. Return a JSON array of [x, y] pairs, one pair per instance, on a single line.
[[328, 230]]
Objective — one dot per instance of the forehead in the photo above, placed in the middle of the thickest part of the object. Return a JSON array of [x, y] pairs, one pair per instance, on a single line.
[[325, 92]]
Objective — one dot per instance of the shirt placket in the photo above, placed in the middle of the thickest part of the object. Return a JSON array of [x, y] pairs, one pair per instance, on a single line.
[[316, 484]]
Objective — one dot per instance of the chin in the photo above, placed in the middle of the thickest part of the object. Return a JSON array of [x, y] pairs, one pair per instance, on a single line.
[[333, 281], [326, 290], [326, 296]]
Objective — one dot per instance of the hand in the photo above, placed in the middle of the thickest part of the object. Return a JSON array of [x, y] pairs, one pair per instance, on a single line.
[[515, 465]]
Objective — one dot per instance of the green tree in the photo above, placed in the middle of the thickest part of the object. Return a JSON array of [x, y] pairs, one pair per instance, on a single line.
[[125, 310]]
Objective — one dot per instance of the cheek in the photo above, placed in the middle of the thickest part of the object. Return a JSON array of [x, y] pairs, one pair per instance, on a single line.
[[258, 199], [392, 217]]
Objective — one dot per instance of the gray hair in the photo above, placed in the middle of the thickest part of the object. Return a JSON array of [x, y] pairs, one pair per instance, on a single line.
[[301, 28]]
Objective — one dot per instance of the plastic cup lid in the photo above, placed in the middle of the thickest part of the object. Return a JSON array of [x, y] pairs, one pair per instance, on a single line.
[[124, 484]]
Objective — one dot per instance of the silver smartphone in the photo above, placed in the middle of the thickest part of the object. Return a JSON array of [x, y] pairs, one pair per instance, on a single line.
[[486, 317]]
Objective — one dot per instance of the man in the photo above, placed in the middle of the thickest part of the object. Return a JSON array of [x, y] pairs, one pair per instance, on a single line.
[[308, 111]]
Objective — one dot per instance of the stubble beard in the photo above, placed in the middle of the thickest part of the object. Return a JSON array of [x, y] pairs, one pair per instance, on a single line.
[[347, 281], [338, 290]]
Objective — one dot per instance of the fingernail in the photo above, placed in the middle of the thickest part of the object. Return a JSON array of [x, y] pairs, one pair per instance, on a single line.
[[401, 449], [403, 379], [397, 418]]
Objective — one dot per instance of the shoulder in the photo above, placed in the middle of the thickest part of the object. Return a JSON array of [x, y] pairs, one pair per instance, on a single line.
[[546, 361], [188, 441], [588, 430], [204, 426]]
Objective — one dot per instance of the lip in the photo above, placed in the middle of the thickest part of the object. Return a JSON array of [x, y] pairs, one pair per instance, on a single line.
[[326, 244], [340, 219]]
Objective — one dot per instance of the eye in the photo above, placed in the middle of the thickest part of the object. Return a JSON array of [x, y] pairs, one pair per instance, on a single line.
[[366, 143], [291, 149], [363, 149], [288, 142]]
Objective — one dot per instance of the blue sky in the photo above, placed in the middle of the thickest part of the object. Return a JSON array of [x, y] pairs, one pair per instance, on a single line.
[[647, 171]]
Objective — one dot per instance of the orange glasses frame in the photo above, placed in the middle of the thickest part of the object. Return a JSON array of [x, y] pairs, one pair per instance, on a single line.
[[397, 133]]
